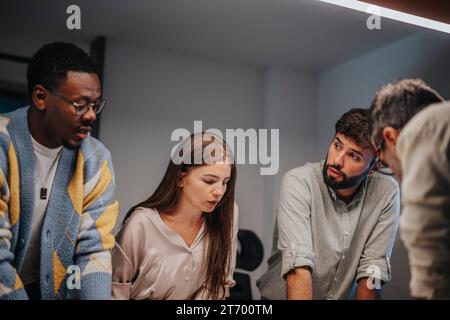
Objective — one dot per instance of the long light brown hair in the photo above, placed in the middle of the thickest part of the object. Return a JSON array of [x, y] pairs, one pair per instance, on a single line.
[[218, 223]]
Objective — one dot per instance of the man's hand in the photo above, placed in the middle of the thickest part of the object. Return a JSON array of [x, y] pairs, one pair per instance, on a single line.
[[299, 284], [364, 293]]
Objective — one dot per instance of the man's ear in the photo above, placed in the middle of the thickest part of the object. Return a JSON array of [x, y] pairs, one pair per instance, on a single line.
[[39, 96], [390, 135]]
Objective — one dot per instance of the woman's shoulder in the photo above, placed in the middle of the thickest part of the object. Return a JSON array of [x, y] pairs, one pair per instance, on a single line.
[[140, 217], [145, 211], [136, 228]]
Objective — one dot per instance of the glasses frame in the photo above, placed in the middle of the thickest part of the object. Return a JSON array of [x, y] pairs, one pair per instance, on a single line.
[[81, 108], [379, 165]]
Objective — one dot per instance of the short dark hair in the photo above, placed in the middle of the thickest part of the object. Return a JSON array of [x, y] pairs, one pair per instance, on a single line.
[[50, 64], [354, 124], [396, 103]]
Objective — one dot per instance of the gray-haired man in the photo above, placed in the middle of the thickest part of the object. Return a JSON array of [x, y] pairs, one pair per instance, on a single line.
[[410, 129]]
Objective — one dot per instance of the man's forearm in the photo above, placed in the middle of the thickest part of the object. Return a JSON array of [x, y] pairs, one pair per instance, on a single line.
[[364, 293], [299, 284]]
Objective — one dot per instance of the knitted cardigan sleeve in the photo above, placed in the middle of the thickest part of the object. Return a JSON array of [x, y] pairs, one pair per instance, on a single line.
[[11, 287], [99, 213]]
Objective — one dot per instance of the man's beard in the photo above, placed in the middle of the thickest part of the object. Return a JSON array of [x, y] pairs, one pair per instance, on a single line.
[[346, 182]]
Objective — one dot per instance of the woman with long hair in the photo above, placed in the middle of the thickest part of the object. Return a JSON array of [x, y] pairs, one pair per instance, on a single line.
[[181, 242]]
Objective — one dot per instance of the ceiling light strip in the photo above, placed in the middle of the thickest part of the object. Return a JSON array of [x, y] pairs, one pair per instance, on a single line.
[[392, 14]]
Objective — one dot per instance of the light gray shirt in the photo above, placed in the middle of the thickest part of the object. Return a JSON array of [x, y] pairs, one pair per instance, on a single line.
[[340, 242], [424, 151], [152, 261]]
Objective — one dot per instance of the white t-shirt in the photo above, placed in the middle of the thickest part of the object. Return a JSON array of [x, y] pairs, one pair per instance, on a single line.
[[44, 174]]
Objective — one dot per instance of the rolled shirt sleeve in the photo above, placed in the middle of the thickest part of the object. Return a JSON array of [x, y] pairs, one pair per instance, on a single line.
[[294, 224]]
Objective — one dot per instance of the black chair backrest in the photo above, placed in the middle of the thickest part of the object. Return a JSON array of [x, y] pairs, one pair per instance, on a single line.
[[249, 257], [251, 253]]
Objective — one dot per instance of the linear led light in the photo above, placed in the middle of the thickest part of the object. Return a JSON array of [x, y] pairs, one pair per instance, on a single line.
[[392, 14]]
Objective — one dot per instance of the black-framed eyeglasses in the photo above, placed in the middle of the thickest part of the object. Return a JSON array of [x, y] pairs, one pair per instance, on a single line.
[[82, 108], [380, 166]]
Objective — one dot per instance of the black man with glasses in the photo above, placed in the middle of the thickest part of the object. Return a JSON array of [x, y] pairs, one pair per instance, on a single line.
[[57, 205], [410, 129]]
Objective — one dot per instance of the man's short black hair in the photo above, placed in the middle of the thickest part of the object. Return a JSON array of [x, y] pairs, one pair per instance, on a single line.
[[50, 64], [396, 103], [354, 124]]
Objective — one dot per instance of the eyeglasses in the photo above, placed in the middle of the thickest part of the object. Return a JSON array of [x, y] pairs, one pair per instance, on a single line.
[[82, 108], [379, 165]]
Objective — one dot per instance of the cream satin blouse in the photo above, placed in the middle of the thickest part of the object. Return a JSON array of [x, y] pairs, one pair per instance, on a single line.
[[151, 261]]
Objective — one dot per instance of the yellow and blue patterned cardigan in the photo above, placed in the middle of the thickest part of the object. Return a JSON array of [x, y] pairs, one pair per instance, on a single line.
[[78, 223]]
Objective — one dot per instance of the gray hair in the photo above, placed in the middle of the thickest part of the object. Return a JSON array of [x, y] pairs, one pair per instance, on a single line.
[[396, 103]]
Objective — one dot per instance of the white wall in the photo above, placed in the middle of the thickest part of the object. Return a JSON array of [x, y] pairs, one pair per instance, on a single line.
[[290, 105], [150, 93], [354, 83]]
